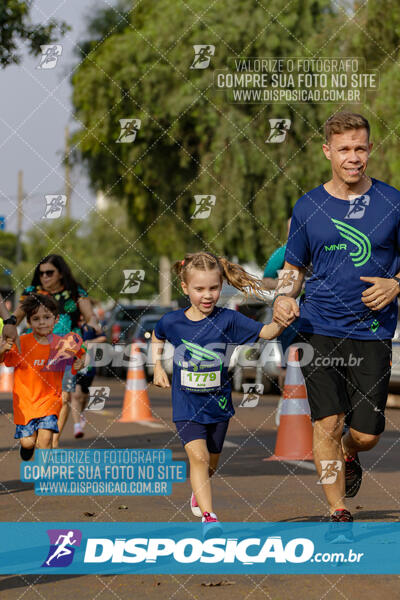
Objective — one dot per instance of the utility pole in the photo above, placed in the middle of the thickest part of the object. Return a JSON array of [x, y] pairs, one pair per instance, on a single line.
[[165, 281], [18, 250], [67, 175], [18, 255]]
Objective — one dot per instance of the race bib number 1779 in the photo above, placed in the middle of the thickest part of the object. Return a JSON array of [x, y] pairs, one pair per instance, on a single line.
[[199, 381]]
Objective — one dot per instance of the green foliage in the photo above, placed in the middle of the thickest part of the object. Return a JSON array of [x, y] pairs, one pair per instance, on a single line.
[[378, 41], [15, 27], [8, 246], [192, 141]]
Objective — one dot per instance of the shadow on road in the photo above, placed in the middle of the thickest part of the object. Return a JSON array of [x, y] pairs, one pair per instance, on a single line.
[[14, 486], [25, 581]]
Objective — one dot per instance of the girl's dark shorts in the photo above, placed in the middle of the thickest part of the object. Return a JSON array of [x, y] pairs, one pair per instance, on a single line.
[[348, 376], [213, 433]]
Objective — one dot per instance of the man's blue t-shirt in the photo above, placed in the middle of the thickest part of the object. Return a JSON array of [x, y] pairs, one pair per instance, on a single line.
[[275, 263], [346, 239], [201, 389]]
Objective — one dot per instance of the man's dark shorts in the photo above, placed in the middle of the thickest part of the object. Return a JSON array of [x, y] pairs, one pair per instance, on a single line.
[[348, 376]]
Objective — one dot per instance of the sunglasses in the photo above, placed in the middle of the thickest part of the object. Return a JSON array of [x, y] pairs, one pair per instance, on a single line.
[[47, 273]]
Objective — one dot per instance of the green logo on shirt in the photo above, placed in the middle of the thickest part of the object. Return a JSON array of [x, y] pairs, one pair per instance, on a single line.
[[374, 326], [202, 354], [359, 239], [335, 247], [222, 402]]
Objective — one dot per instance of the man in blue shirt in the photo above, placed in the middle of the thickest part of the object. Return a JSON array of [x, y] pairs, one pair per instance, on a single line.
[[349, 229]]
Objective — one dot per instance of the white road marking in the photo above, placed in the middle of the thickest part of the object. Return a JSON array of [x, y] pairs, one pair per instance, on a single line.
[[229, 444]]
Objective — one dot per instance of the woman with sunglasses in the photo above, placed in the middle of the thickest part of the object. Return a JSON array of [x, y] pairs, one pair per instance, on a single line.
[[53, 276]]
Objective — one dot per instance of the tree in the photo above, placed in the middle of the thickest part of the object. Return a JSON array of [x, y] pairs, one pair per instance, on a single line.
[[191, 140], [378, 42], [15, 27]]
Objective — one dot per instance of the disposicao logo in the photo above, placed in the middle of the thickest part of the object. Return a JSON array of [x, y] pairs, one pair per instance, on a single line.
[[192, 550], [62, 547]]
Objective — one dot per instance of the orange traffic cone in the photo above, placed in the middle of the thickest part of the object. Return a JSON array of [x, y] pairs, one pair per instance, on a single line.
[[136, 405], [295, 432], [6, 378]]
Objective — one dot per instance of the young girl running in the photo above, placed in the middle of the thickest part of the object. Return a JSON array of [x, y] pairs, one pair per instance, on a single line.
[[204, 337]]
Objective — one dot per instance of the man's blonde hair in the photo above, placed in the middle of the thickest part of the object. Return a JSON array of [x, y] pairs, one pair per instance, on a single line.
[[343, 121]]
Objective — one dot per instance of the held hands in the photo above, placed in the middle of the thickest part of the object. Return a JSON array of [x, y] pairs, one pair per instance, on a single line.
[[286, 310], [79, 363], [160, 377], [6, 344], [10, 332], [381, 293]]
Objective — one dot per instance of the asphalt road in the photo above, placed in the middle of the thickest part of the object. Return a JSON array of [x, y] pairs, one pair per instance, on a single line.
[[245, 489]]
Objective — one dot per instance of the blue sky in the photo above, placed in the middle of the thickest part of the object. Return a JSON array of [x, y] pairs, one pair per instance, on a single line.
[[35, 107]]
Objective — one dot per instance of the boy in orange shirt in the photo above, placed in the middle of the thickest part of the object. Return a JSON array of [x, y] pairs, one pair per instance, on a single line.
[[38, 373]]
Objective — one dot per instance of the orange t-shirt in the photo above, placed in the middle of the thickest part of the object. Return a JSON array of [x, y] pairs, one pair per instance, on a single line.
[[37, 386]]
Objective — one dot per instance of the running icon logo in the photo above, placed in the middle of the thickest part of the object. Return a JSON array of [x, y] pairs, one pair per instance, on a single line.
[[202, 56], [50, 55], [357, 207], [363, 246], [97, 397], [129, 129], [279, 129], [54, 206], [330, 469], [62, 547], [287, 277], [133, 280], [251, 394], [204, 204]]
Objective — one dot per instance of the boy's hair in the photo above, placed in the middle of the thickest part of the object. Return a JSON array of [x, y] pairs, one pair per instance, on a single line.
[[343, 121], [33, 302], [234, 274]]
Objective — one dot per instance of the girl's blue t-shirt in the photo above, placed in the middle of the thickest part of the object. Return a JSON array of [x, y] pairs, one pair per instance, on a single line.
[[201, 389]]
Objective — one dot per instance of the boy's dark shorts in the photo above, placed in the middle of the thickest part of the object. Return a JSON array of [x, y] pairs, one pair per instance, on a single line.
[[348, 376], [213, 433]]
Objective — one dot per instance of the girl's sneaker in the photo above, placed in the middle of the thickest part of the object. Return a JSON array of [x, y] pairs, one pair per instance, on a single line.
[[211, 525], [194, 506], [78, 431], [83, 421]]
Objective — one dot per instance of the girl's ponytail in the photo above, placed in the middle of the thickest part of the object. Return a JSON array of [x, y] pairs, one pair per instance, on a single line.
[[236, 276]]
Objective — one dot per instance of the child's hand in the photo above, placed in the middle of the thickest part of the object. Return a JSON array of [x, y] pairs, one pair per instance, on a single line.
[[79, 363], [6, 344], [160, 377]]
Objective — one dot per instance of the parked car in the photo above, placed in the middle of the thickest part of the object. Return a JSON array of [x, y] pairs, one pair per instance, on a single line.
[[395, 374], [129, 322], [124, 319], [261, 362]]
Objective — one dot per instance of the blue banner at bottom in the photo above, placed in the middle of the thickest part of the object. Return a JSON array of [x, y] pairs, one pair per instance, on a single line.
[[240, 548]]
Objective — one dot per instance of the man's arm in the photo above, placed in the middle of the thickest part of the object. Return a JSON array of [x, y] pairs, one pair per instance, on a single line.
[[4, 314], [85, 306], [289, 286], [270, 283]]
